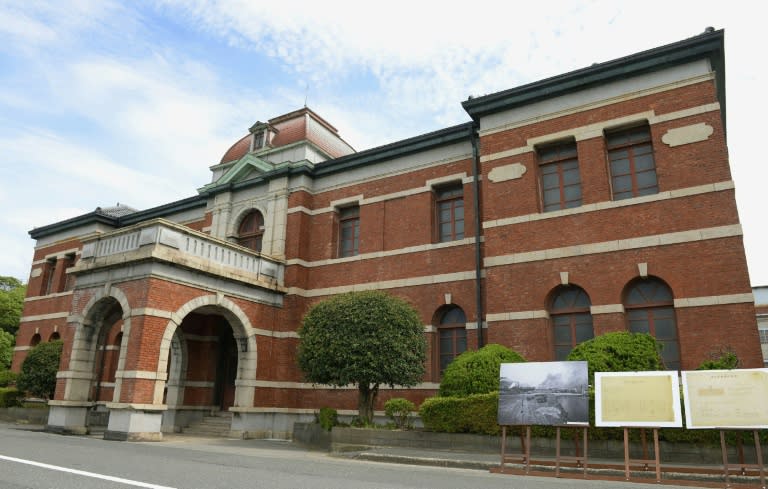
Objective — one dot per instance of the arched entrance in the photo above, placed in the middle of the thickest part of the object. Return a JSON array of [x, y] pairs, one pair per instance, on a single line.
[[80, 404], [208, 352]]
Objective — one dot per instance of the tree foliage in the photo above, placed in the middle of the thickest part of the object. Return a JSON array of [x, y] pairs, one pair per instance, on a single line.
[[6, 349], [12, 293], [366, 339], [620, 351], [476, 372], [38, 372]]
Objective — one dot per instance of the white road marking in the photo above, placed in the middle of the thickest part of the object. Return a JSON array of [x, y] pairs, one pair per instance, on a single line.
[[84, 473]]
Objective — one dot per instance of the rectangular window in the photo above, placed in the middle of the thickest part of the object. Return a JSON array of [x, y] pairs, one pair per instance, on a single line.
[[763, 336], [349, 231], [449, 213], [258, 140], [560, 179], [49, 270], [69, 281], [633, 169]]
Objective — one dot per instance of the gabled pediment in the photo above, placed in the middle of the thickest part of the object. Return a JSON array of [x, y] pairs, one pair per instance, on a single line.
[[247, 167]]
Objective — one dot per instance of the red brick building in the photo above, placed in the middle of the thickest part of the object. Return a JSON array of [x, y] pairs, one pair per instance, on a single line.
[[594, 201]]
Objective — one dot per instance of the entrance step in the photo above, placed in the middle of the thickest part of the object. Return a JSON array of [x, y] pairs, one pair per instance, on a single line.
[[216, 425]]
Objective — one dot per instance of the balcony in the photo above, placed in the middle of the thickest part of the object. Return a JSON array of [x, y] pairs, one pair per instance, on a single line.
[[150, 247]]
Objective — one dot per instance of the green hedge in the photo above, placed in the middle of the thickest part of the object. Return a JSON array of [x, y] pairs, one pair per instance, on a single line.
[[478, 414], [7, 377], [476, 371], [10, 397], [471, 414]]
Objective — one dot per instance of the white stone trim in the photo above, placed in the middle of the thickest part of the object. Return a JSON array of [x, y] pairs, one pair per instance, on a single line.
[[136, 406], [49, 296], [381, 254], [435, 182], [714, 300], [141, 374], [612, 101], [149, 311], [693, 133], [606, 309], [42, 317], [616, 245], [57, 255], [613, 204], [386, 284], [361, 200], [355, 199], [597, 129], [619, 308], [517, 315], [75, 374], [275, 334]]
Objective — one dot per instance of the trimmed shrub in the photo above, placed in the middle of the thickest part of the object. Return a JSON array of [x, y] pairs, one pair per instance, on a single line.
[[472, 414], [399, 410], [38, 372], [328, 418], [7, 378], [476, 372], [619, 351], [10, 397]]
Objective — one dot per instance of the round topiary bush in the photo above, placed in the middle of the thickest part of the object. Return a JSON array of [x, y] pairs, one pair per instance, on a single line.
[[619, 351], [476, 372], [38, 372]]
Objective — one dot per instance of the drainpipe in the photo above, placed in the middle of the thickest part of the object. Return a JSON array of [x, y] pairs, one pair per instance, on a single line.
[[475, 139]]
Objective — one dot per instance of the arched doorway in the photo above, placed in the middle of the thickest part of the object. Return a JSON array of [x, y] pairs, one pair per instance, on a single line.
[[202, 362]]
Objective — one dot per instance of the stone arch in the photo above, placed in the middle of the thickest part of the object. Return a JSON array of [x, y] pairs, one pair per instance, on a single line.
[[106, 307], [242, 331], [240, 212]]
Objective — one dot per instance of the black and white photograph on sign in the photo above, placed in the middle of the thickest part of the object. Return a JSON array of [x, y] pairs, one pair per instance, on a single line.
[[543, 393]]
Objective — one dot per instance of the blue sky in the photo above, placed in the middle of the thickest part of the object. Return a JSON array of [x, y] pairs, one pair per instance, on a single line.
[[105, 101]]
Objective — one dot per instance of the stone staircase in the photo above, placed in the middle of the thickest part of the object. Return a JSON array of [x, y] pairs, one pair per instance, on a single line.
[[215, 425]]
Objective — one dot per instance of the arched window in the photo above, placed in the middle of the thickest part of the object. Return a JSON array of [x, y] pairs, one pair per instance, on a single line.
[[36, 338], [571, 319], [251, 230], [650, 309], [452, 334], [54, 336]]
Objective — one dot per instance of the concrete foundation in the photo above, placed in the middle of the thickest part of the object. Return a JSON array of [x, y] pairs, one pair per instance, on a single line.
[[273, 425], [131, 424], [67, 418]]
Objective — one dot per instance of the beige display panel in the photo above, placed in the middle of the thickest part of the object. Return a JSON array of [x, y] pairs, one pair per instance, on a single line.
[[726, 398], [642, 399]]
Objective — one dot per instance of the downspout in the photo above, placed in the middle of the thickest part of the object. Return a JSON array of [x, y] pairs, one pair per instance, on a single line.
[[475, 139]]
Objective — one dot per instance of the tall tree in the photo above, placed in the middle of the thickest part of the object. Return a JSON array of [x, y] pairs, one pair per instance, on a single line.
[[12, 293], [6, 349], [365, 339]]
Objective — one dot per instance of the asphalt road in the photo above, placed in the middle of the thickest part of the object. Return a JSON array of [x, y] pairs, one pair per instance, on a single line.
[[37, 460]]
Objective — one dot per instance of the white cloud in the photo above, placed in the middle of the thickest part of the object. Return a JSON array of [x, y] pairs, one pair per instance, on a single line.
[[105, 96]]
